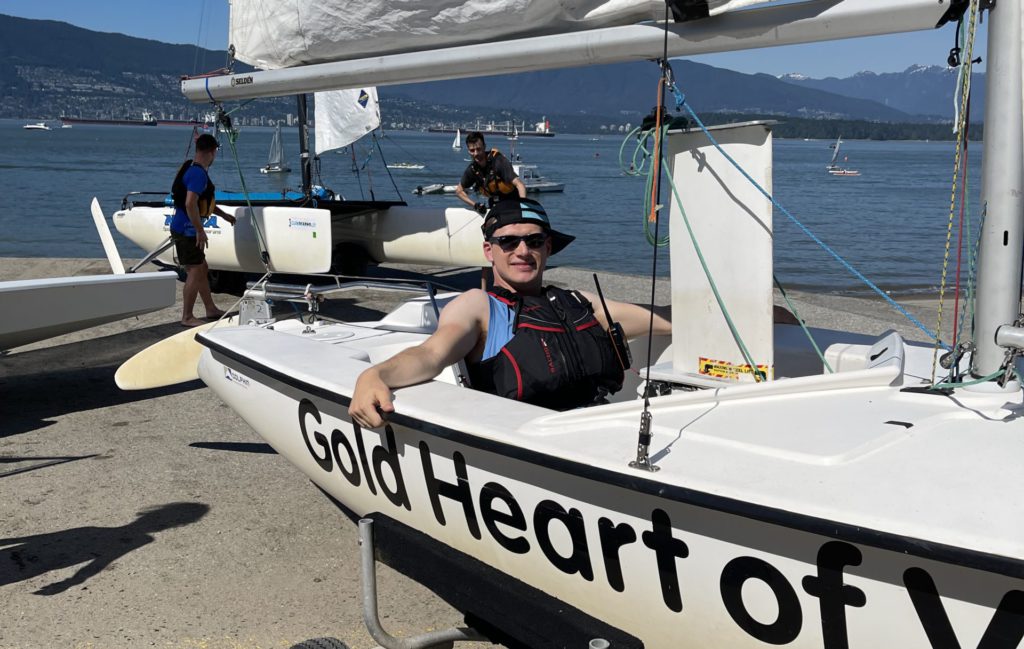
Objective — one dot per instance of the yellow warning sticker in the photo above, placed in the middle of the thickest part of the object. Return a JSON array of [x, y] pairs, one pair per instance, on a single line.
[[727, 370]]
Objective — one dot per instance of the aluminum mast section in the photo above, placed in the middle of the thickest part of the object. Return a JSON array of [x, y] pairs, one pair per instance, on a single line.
[[806, 22], [1002, 177]]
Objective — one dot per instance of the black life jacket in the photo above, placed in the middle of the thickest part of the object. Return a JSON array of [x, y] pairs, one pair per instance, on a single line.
[[178, 191], [488, 180], [559, 356]]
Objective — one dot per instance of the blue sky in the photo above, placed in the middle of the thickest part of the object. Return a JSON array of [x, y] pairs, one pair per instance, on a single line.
[[205, 22]]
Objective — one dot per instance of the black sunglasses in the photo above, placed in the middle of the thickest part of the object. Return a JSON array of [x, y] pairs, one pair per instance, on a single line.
[[510, 242]]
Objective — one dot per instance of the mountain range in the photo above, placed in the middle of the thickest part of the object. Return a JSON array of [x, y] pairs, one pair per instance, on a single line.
[[50, 68]]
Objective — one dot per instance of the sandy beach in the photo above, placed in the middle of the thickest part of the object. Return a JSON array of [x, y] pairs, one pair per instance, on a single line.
[[159, 518]]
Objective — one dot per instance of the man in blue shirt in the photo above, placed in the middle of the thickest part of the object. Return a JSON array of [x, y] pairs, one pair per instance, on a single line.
[[193, 194]]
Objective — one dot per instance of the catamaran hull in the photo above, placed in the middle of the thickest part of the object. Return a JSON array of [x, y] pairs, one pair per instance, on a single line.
[[37, 309], [305, 240], [673, 566]]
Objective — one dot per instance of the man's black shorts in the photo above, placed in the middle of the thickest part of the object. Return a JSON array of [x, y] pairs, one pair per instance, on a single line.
[[188, 253]]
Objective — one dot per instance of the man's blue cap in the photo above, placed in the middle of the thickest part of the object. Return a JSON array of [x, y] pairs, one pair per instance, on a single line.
[[508, 211]]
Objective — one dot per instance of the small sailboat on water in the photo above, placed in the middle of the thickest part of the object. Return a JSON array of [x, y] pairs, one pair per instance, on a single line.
[[457, 144], [275, 159], [833, 168]]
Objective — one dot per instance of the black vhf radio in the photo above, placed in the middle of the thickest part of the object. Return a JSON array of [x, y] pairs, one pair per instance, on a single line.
[[619, 343]]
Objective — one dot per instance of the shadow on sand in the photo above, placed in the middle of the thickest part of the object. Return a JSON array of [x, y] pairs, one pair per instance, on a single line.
[[39, 385], [27, 557]]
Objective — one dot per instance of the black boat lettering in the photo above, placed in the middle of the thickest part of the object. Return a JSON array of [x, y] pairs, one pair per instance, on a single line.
[[833, 595], [561, 533], [1005, 631], [578, 560], [513, 517], [667, 548], [786, 626], [459, 491], [307, 409], [613, 537]]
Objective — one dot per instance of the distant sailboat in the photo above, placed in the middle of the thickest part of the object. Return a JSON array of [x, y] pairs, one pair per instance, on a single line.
[[457, 144], [275, 160], [834, 169]]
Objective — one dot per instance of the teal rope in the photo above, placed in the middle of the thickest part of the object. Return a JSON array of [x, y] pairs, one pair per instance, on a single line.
[[962, 384], [803, 326]]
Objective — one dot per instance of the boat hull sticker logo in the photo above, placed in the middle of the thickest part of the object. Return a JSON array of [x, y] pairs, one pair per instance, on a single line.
[[235, 377]]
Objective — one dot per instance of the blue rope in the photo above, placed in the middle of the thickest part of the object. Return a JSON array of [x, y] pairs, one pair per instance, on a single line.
[[681, 103]]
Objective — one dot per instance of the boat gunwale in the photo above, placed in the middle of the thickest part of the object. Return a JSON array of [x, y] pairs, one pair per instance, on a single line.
[[917, 547]]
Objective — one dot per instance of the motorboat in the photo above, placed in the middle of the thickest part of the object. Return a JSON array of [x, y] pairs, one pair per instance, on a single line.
[[37, 126], [534, 182]]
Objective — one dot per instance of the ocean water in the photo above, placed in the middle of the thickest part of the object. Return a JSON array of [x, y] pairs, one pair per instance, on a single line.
[[890, 223]]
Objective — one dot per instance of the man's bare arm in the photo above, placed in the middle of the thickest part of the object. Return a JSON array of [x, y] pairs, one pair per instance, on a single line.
[[458, 331], [463, 196], [520, 187], [634, 318]]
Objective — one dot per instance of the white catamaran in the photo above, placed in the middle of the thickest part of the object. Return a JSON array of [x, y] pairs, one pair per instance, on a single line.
[[866, 497]]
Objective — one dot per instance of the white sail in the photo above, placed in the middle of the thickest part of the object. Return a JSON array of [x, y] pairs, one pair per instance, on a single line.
[[344, 116], [769, 26], [289, 33], [457, 144], [276, 155], [835, 152]]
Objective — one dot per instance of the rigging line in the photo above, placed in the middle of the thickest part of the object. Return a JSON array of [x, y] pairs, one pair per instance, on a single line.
[[260, 241], [655, 217], [972, 269], [824, 246], [964, 94], [960, 235], [199, 35], [385, 163], [803, 325]]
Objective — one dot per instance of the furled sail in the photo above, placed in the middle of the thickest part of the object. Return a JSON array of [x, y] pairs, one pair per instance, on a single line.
[[288, 33], [344, 116]]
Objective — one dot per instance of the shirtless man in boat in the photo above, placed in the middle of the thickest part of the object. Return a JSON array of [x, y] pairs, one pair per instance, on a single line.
[[490, 173], [523, 340]]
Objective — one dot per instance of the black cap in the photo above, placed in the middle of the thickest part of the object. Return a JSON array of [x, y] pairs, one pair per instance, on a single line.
[[206, 142], [523, 210]]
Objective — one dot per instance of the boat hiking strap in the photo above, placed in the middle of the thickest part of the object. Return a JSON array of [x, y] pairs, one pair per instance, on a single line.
[[961, 128], [681, 102], [232, 135]]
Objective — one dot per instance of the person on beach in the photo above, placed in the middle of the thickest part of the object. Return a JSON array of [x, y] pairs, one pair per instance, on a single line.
[[193, 194], [517, 338], [490, 173]]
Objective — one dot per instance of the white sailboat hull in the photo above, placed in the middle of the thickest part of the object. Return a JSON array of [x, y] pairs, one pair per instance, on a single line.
[[302, 239], [805, 513], [37, 309]]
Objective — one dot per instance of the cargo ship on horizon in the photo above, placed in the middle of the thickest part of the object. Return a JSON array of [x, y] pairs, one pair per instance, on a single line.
[[507, 128], [147, 120]]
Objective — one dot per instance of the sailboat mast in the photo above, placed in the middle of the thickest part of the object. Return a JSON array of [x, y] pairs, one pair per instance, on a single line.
[[1002, 198], [304, 161]]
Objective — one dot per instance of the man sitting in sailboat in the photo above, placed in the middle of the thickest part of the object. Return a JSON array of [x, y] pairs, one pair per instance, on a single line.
[[490, 173], [522, 340]]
